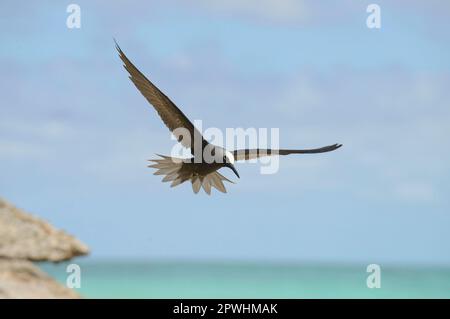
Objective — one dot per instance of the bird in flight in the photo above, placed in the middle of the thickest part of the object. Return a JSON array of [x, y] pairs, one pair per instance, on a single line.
[[201, 173]]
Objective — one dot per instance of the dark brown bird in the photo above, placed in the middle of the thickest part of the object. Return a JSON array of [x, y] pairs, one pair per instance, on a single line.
[[201, 172]]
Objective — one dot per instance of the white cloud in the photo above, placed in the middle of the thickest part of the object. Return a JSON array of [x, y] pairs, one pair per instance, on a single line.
[[415, 192], [276, 11], [37, 128], [13, 150], [31, 139]]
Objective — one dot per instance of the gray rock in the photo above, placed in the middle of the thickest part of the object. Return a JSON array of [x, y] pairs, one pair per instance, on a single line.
[[21, 279], [23, 236]]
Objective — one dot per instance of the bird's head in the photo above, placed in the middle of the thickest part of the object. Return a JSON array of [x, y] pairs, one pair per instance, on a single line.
[[227, 160]]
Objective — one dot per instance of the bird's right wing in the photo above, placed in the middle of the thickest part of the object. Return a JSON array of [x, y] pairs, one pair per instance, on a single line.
[[248, 154], [167, 110]]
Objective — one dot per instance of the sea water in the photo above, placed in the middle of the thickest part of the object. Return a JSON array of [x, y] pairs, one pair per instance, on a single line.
[[145, 279]]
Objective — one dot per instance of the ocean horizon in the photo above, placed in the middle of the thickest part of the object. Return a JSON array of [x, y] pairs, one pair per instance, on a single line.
[[204, 279]]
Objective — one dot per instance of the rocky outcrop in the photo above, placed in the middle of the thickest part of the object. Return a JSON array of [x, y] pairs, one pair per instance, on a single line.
[[25, 238], [21, 279]]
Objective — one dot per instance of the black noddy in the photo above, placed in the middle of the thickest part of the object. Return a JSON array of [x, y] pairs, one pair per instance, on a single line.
[[201, 173]]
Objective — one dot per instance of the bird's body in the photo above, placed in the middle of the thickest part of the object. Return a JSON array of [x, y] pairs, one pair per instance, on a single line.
[[201, 170]]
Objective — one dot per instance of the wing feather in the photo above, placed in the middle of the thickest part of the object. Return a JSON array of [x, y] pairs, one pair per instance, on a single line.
[[248, 154], [171, 115]]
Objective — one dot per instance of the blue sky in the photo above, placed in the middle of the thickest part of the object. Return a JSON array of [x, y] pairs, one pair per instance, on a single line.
[[75, 133]]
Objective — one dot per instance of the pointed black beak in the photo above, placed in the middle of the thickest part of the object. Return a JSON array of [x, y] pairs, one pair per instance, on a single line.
[[233, 169]]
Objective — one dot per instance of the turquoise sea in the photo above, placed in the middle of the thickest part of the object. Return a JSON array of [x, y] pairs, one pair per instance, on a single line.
[[143, 279]]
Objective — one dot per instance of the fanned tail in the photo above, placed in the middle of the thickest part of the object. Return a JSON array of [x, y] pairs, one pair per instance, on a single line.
[[214, 179], [217, 179], [171, 168], [178, 172]]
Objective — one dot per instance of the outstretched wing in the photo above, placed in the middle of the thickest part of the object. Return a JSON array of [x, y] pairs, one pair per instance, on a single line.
[[167, 110], [248, 154]]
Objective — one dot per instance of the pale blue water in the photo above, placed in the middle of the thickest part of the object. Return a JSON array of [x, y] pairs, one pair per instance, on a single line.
[[250, 280]]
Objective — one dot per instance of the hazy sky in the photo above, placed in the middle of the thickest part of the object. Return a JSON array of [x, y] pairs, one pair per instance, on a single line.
[[75, 133]]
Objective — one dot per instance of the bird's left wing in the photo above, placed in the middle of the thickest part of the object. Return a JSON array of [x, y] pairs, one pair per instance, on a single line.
[[248, 154], [167, 110]]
